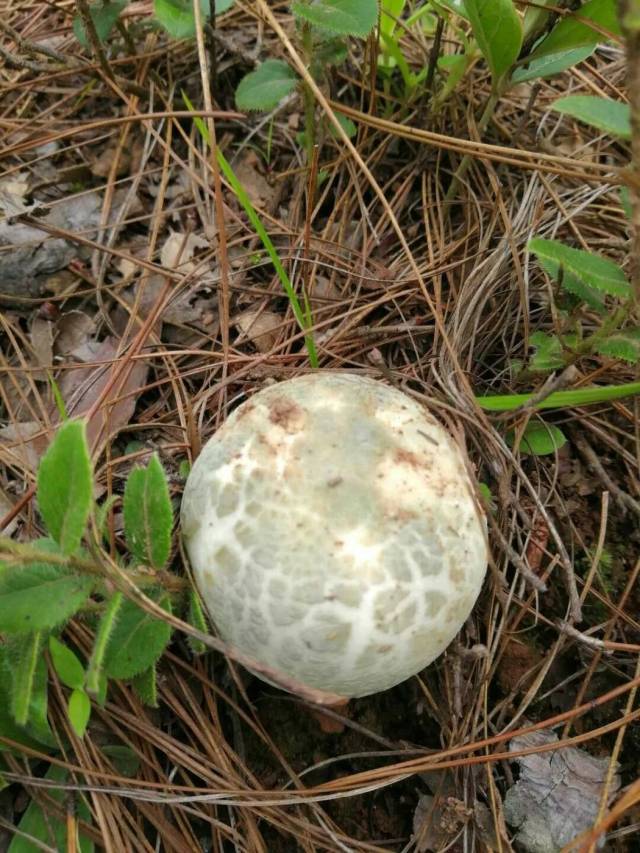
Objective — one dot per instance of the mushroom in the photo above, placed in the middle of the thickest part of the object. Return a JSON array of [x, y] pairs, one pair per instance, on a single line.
[[333, 533]]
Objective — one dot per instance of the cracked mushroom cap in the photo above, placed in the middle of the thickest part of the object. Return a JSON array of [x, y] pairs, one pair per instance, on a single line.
[[333, 533]]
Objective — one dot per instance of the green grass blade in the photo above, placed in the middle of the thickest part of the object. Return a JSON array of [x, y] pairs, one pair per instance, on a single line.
[[261, 231], [560, 399]]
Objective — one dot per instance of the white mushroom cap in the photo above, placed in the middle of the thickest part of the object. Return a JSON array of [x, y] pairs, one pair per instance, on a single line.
[[333, 533]]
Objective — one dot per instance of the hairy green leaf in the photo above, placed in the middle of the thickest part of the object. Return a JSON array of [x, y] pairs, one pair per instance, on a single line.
[[24, 660], [39, 596], [48, 828], [342, 17], [613, 117], [574, 30], [541, 439], [101, 642], [79, 710], [198, 620], [66, 664], [573, 284], [624, 345], [137, 641], [264, 88], [548, 355], [148, 515], [65, 485], [498, 30], [552, 63], [177, 18], [104, 17], [146, 686], [600, 273], [36, 731]]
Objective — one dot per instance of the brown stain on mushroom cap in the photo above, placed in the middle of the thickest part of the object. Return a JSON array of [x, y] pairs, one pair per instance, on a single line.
[[407, 457], [286, 414]]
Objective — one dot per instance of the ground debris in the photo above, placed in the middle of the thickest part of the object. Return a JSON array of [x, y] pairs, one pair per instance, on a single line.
[[557, 796]]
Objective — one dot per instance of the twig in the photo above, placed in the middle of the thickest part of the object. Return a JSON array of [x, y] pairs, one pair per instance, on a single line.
[[591, 458], [552, 384], [585, 639]]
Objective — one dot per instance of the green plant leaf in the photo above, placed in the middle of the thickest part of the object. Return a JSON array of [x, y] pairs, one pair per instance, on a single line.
[[572, 31], [177, 18], [574, 285], [613, 117], [264, 88], [541, 439], [106, 625], [137, 641], [48, 828], [66, 664], [343, 17], [624, 345], [346, 124], [148, 515], [600, 273], [498, 30], [104, 17], [625, 201], [552, 63], [39, 596], [198, 620], [146, 686], [455, 6], [123, 758], [549, 353], [65, 485], [24, 660], [79, 710], [390, 11], [36, 731]]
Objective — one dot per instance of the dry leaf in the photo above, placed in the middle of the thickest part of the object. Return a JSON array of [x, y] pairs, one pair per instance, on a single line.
[[73, 330], [437, 821], [42, 343], [179, 249], [259, 190], [101, 164], [81, 388], [23, 444], [557, 796], [6, 506], [262, 328]]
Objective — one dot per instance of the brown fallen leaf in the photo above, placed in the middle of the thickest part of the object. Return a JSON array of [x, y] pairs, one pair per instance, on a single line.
[[261, 193], [262, 328], [82, 387], [73, 329], [22, 444], [41, 335], [179, 249], [6, 506], [437, 821]]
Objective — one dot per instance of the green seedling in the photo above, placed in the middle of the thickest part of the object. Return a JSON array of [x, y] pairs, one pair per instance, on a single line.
[[45, 583], [584, 280], [322, 27]]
